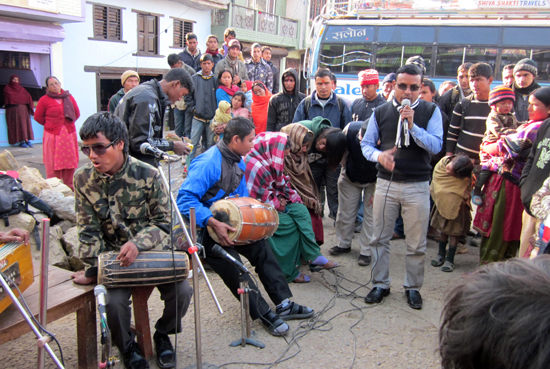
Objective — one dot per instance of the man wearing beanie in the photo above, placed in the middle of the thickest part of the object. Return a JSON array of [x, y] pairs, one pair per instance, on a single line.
[[362, 108], [231, 62], [525, 73], [129, 80]]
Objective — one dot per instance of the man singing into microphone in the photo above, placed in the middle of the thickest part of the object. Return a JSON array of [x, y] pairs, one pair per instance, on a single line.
[[122, 205], [219, 173], [142, 109], [408, 133]]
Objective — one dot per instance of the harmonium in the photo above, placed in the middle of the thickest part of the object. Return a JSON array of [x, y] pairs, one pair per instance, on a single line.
[[16, 264]]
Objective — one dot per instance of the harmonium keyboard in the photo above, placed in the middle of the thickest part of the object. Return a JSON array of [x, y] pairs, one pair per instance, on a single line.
[[16, 264]]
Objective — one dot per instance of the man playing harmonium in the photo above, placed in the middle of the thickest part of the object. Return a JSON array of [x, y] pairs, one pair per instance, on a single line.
[[217, 174], [122, 205]]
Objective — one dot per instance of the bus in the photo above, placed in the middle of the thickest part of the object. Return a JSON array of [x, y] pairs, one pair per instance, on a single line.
[[352, 36]]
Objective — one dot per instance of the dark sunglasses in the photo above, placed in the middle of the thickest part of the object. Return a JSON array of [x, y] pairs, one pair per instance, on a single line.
[[404, 86], [97, 149]]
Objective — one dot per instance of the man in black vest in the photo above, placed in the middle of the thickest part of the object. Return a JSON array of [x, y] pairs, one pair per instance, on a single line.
[[408, 135]]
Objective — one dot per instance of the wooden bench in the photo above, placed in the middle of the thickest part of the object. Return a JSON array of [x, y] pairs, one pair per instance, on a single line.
[[64, 297]]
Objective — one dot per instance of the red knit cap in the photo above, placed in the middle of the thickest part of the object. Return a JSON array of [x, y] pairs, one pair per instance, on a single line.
[[501, 93], [368, 77]]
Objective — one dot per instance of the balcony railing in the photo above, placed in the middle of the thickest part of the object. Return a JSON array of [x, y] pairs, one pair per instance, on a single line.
[[264, 24]]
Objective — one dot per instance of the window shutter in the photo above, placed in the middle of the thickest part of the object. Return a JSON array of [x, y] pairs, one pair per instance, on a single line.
[[100, 14], [114, 22], [187, 28], [141, 34], [151, 34], [178, 33]]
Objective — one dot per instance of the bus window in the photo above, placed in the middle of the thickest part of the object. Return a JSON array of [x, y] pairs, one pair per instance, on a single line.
[[341, 58], [542, 57], [526, 36], [399, 34], [482, 55], [448, 61], [389, 58], [477, 35], [424, 51]]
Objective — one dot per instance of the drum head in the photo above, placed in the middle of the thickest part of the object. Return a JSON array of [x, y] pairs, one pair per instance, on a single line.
[[226, 211]]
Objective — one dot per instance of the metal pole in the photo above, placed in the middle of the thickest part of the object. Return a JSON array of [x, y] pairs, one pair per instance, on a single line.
[[23, 312], [43, 297], [244, 296], [198, 339], [190, 242]]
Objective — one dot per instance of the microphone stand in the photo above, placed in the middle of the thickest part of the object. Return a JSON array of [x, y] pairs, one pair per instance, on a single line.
[[247, 334], [196, 263]]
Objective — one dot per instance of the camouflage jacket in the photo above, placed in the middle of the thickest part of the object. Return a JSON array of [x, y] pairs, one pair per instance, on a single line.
[[260, 72], [131, 205]]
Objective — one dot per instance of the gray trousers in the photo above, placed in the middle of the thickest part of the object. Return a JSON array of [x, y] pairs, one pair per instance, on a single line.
[[349, 198], [414, 200], [119, 312]]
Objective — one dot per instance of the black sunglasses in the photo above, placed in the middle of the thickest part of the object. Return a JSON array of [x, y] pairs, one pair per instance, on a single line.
[[404, 86], [97, 149]]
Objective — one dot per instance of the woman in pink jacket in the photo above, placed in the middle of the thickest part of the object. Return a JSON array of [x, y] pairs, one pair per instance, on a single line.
[[57, 111]]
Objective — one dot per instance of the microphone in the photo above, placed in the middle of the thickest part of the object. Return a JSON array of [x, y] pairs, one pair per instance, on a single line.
[[406, 102], [147, 149], [218, 251], [100, 292]]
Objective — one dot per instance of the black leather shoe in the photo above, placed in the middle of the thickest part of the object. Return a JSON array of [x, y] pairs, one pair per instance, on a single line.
[[414, 299], [376, 295], [338, 250], [164, 351], [133, 360]]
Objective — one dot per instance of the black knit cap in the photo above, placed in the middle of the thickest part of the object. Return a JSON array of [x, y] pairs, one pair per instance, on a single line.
[[527, 65]]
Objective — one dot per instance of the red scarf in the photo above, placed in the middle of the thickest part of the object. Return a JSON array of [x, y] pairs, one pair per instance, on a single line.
[[213, 53], [68, 107], [259, 109], [15, 94], [230, 91]]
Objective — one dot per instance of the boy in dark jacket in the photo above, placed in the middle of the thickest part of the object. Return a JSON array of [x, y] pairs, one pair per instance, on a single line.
[[282, 106]]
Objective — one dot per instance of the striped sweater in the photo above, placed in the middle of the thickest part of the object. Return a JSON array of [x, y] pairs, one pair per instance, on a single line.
[[466, 137]]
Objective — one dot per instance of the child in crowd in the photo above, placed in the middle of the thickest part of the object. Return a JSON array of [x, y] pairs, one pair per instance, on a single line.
[[246, 88], [237, 105], [500, 122], [222, 117], [226, 88], [260, 101], [450, 190]]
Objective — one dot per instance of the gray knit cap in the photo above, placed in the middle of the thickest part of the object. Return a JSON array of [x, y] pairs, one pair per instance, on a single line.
[[527, 65]]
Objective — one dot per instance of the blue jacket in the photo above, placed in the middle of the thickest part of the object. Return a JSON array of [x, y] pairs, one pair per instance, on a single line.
[[335, 110], [205, 172], [221, 95]]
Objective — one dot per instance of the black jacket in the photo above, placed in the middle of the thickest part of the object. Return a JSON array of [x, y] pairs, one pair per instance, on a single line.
[[142, 109], [190, 60], [537, 168], [282, 106]]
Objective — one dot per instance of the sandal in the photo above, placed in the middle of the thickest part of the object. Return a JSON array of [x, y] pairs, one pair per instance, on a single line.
[[302, 278], [294, 311], [448, 267], [274, 325], [327, 266], [438, 261]]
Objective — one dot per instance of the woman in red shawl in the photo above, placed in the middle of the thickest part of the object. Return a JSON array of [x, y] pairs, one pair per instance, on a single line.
[[19, 108], [57, 111], [260, 101]]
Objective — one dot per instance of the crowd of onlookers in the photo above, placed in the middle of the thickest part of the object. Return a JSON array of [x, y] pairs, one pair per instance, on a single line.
[[494, 129]]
